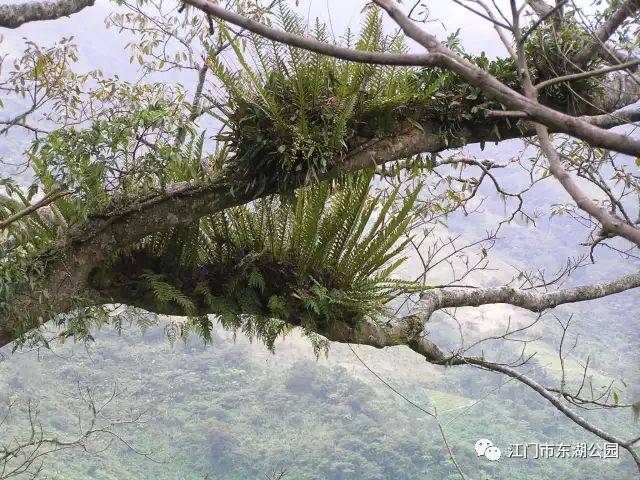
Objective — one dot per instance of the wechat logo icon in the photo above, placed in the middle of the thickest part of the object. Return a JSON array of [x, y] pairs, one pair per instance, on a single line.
[[484, 448]]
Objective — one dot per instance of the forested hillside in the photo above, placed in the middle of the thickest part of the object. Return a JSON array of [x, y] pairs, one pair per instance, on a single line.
[[233, 410]]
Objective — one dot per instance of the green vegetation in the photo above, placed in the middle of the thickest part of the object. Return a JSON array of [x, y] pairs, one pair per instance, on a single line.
[[292, 112], [297, 113], [326, 255], [548, 54], [286, 113], [235, 412]]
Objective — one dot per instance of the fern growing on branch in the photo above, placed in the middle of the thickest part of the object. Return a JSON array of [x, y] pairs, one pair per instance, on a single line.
[[328, 255]]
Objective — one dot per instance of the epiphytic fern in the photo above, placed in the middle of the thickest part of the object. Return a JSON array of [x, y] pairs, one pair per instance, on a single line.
[[324, 256]]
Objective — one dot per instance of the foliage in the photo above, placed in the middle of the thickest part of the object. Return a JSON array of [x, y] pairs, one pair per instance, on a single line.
[[549, 52], [292, 112], [327, 255], [234, 412], [287, 113], [295, 112], [121, 155]]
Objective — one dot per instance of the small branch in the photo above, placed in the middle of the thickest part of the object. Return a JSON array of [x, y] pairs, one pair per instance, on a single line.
[[311, 44], [433, 300], [619, 117], [507, 114], [446, 444], [32, 208], [433, 414], [579, 401], [487, 16], [554, 400], [498, 27], [609, 222], [592, 73]]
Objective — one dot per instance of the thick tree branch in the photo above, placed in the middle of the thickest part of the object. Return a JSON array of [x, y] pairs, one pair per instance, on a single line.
[[619, 117], [499, 92], [540, 7], [86, 246], [433, 300], [625, 9], [14, 15]]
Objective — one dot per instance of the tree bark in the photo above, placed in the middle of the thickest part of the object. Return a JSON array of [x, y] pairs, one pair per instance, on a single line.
[[12, 16]]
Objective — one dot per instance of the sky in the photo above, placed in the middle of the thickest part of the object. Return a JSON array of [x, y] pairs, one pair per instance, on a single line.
[[87, 27], [445, 17]]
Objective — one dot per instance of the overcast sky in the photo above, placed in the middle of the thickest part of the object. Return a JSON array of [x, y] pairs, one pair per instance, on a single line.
[[101, 48]]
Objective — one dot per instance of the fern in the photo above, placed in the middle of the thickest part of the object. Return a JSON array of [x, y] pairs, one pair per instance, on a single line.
[[324, 256], [294, 112], [166, 293]]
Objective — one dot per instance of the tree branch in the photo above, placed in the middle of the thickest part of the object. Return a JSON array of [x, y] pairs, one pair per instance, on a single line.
[[311, 44], [619, 117], [12, 16], [32, 208], [551, 398], [540, 7], [433, 300], [625, 10], [591, 73], [87, 245], [499, 92]]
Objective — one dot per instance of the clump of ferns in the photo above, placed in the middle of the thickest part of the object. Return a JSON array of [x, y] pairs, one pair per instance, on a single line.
[[549, 53], [438, 97], [291, 112], [326, 256]]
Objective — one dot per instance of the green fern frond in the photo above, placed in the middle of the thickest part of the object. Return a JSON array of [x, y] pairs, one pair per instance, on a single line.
[[166, 293]]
